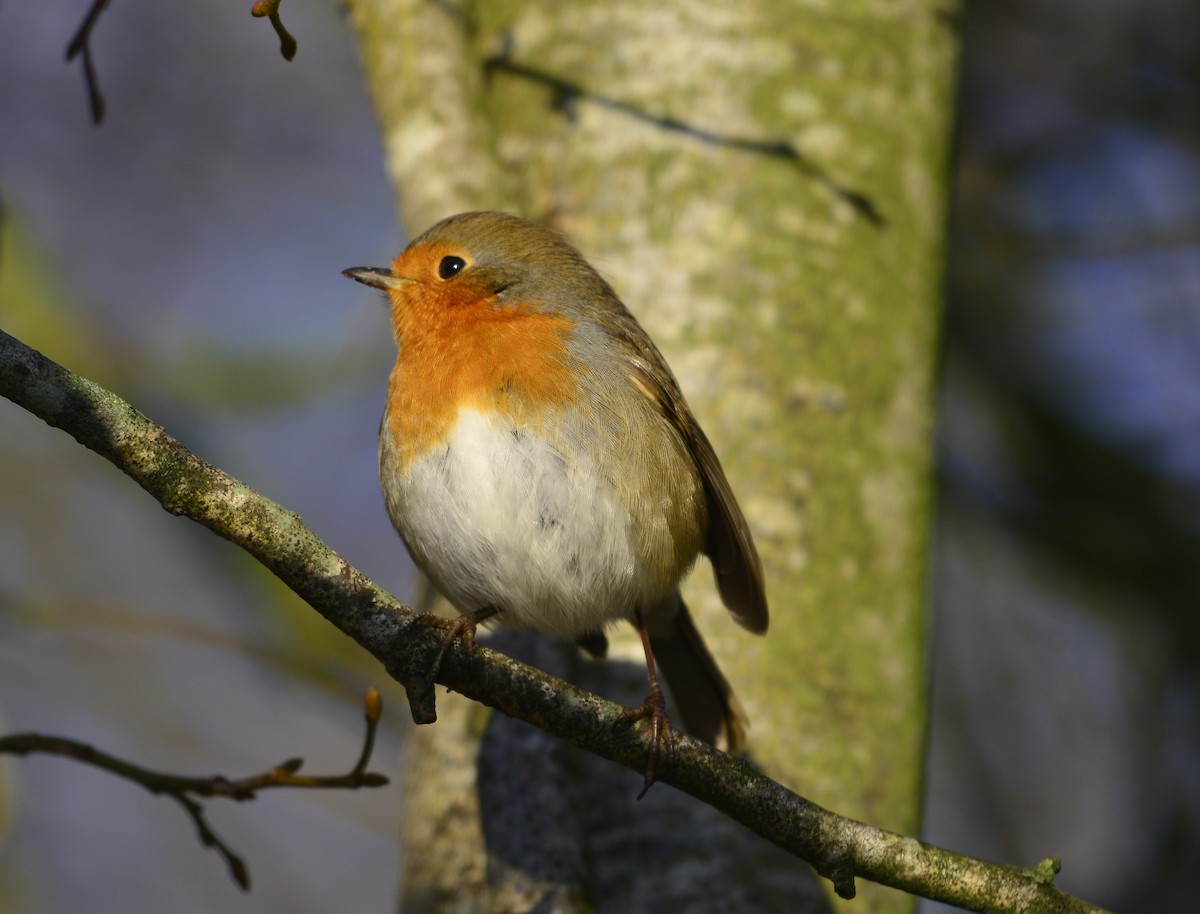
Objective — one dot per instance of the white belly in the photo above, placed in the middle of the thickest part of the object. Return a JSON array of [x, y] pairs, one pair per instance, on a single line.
[[496, 517]]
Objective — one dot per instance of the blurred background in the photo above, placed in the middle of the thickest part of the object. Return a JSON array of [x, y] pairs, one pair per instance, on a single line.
[[186, 254]]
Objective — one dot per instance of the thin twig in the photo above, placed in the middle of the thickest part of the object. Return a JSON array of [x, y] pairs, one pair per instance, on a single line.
[[270, 9], [238, 871], [81, 44], [182, 789], [566, 95]]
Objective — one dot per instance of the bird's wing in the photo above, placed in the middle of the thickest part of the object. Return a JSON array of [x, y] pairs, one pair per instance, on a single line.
[[730, 546]]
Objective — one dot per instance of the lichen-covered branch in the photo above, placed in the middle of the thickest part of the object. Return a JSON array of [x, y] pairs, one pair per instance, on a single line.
[[838, 848]]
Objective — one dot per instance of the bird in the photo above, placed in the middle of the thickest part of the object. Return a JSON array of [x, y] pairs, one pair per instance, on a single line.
[[543, 469]]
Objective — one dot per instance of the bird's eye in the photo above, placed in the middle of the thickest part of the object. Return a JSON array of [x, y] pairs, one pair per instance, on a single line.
[[450, 266]]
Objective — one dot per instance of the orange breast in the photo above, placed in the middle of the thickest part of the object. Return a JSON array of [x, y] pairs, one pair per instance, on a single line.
[[460, 350]]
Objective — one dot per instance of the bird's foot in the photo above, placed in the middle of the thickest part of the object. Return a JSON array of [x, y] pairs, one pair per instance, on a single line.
[[464, 628], [662, 737]]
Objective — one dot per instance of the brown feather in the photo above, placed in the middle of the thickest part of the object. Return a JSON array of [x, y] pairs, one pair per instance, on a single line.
[[729, 544], [706, 703]]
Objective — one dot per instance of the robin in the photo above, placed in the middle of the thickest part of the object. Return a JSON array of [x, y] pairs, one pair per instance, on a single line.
[[543, 468]]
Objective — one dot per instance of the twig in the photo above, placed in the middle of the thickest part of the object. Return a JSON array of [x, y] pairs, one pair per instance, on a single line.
[[839, 848], [566, 94], [270, 9], [182, 789], [238, 871], [81, 44]]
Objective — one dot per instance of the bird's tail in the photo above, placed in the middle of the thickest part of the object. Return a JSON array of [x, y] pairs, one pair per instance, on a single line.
[[707, 706]]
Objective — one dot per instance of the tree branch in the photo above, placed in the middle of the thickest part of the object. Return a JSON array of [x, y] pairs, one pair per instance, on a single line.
[[838, 848], [181, 788]]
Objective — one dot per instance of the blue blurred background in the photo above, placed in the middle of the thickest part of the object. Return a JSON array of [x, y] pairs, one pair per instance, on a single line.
[[187, 255]]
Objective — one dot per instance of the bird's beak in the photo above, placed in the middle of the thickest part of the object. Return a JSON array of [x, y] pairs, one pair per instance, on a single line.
[[377, 277]]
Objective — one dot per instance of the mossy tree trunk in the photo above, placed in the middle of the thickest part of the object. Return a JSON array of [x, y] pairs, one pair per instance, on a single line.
[[764, 184]]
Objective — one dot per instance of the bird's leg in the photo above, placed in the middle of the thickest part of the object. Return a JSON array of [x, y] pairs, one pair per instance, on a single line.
[[655, 707], [463, 627]]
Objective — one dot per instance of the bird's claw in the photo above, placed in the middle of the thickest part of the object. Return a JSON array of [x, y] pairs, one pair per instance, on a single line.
[[661, 734], [464, 628]]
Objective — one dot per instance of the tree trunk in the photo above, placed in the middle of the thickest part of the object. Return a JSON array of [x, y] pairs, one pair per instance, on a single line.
[[764, 185]]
